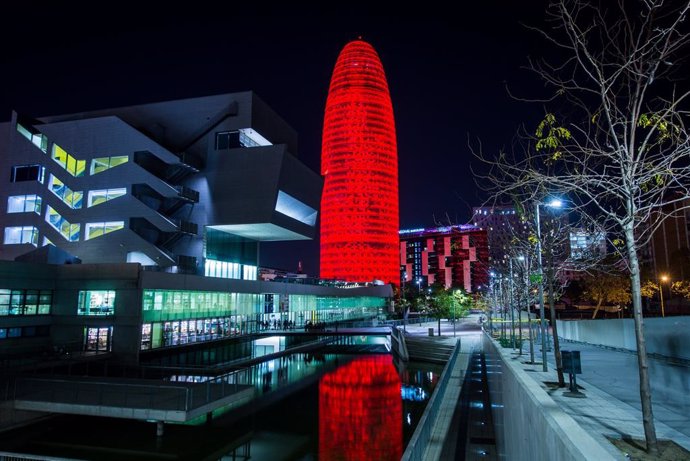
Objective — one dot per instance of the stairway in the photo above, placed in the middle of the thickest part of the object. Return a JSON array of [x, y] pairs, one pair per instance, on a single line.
[[428, 349]]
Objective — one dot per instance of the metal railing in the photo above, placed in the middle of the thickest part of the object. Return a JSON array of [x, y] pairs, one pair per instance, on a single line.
[[155, 396], [422, 434]]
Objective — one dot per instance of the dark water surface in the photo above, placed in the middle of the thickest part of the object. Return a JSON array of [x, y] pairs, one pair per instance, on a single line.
[[308, 407]]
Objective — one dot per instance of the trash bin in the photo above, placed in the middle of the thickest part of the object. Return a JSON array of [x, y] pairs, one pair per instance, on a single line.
[[431, 331]]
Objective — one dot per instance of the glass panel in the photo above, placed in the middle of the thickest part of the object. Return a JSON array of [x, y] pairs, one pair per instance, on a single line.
[[94, 230], [59, 155], [24, 132], [99, 164], [96, 302], [15, 203], [23, 234], [118, 160]]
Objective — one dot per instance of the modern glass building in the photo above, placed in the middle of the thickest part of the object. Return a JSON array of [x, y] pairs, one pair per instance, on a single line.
[[125, 309]]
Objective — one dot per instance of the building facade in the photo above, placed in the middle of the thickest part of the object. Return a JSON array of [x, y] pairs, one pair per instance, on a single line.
[[187, 186], [453, 256], [124, 309], [138, 228], [359, 162], [502, 224]]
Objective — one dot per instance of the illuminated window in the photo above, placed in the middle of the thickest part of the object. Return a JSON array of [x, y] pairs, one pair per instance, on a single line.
[[72, 199], [21, 234], [290, 206], [100, 164], [96, 197], [37, 139], [96, 229], [27, 173], [25, 302], [46, 241], [250, 138], [24, 203], [72, 165], [229, 270], [96, 302], [67, 230]]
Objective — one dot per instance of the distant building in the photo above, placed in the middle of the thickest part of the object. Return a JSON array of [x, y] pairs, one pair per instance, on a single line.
[[501, 224], [585, 244], [454, 256], [667, 251]]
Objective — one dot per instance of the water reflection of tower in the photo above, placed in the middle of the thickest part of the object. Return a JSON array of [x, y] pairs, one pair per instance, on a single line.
[[360, 411], [359, 162]]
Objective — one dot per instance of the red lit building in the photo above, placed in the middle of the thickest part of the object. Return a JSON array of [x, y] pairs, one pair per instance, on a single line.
[[359, 162], [454, 256]]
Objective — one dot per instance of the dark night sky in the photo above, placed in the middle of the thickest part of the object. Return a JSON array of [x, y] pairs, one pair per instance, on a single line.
[[446, 73]]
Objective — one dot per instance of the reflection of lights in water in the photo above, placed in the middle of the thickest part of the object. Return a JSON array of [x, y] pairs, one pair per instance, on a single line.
[[360, 410], [409, 419], [430, 376], [476, 404], [413, 393]]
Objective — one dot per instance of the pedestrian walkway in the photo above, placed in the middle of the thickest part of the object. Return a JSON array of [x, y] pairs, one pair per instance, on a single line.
[[450, 424], [609, 382], [611, 402]]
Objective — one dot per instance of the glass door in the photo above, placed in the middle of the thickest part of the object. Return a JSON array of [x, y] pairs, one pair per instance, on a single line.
[[98, 339]]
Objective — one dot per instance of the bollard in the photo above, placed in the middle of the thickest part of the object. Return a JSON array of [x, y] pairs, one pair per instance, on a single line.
[[431, 331]]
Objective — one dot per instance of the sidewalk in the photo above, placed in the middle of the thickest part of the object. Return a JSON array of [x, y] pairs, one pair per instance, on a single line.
[[611, 406]]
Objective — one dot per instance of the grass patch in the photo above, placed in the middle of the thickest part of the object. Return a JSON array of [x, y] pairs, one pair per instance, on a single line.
[[635, 448], [507, 342]]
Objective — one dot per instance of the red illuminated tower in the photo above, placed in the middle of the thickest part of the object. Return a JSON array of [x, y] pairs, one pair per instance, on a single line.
[[359, 161]]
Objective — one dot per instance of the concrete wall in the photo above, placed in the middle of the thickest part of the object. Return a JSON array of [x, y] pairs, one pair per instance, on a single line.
[[665, 336], [528, 424]]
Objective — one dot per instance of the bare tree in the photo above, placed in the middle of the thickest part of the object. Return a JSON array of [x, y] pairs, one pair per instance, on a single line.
[[618, 148]]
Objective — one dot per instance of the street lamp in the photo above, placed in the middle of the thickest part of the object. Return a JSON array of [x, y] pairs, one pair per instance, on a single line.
[[554, 203], [664, 278]]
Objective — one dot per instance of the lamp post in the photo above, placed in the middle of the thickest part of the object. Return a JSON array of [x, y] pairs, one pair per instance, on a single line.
[[663, 278], [510, 304], [555, 203]]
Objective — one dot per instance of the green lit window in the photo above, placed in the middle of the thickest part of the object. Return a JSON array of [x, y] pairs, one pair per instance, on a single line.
[[96, 197], [96, 229], [100, 164], [96, 302], [25, 302], [24, 203], [71, 198], [66, 229], [70, 164], [21, 234]]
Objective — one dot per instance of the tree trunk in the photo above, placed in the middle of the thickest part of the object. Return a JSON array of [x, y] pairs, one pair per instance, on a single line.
[[554, 330], [439, 326], [645, 389], [596, 309]]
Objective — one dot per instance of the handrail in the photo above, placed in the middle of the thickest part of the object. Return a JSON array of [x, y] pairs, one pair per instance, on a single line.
[[422, 434]]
